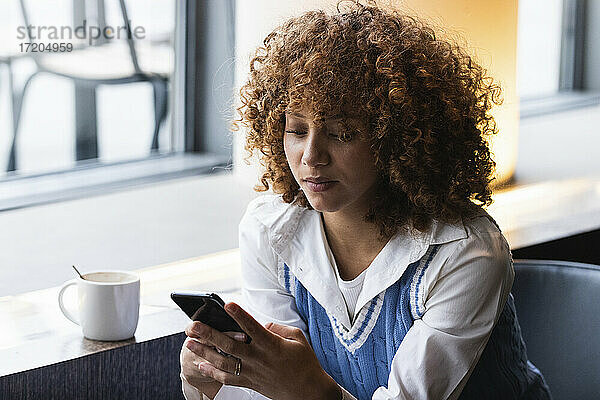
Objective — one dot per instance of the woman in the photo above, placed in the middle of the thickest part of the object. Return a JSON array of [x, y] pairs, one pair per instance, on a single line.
[[374, 268]]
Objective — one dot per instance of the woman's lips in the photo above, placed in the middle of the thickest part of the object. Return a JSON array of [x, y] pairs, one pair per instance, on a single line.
[[320, 187]]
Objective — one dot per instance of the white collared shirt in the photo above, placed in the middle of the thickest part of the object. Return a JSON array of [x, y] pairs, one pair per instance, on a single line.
[[465, 288]]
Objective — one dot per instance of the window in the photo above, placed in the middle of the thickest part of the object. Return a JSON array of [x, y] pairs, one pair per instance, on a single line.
[[538, 54], [105, 91], [557, 55]]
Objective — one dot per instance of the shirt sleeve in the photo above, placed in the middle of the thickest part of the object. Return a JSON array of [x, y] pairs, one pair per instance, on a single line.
[[463, 303], [262, 294]]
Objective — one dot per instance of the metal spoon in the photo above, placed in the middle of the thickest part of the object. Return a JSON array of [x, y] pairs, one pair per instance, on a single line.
[[78, 273]]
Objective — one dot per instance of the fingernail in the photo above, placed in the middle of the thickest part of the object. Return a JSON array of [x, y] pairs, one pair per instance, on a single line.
[[241, 337], [231, 308], [202, 366], [197, 328]]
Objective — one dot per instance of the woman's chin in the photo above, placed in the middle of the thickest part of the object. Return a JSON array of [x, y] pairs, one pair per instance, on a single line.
[[318, 203]]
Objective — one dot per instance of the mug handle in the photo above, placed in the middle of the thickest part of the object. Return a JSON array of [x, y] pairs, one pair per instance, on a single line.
[[64, 310]]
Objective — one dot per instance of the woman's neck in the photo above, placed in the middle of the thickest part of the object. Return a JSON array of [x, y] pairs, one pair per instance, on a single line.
[[353, 241]]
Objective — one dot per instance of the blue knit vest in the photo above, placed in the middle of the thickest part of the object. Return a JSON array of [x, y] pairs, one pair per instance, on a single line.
[[360, 359]]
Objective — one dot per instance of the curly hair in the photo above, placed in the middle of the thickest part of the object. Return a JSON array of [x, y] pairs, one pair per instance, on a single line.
[[425, 102]]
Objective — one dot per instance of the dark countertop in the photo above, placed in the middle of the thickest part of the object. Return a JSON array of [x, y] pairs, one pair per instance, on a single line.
[[35, 333]]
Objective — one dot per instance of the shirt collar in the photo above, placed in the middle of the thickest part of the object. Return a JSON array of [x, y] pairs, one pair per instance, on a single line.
[[298, 237]]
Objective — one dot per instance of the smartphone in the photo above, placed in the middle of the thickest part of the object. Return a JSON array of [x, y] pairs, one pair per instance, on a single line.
[[209, 309]]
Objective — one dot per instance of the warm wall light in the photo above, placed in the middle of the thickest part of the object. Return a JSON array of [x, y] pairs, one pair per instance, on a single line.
[[488, 27]]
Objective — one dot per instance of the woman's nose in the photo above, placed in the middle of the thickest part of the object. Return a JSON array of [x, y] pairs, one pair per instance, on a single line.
[[315, 150]]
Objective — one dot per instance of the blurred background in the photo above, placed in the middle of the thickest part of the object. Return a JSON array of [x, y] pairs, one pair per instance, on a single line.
[[90, 99], [115, 152]]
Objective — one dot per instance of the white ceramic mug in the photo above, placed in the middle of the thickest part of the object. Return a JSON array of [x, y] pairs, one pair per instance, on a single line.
[[108, 304]]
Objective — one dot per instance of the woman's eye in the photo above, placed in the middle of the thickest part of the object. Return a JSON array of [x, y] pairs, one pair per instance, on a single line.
[[295, 132], [345, 137], [334, 136]]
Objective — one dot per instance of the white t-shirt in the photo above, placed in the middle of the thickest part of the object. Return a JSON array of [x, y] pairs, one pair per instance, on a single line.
[[461, 293], [350, 289]]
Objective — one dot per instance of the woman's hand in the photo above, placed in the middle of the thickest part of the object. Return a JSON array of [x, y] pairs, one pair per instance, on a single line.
[[189, 368], [279, 362]]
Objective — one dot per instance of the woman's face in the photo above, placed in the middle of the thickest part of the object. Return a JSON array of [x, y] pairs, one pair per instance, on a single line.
[[335, 175]]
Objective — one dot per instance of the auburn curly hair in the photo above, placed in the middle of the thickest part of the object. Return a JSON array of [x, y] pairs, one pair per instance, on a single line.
[[425, 102]]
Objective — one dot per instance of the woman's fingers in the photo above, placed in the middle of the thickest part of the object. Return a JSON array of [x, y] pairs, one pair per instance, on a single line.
[[239, 336], [216, 374], [248, 324], [212, 337], [189, 366], [285, 331], [224, 363]]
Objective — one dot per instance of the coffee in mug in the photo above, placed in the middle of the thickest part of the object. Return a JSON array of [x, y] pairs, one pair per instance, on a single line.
[[108, 304]]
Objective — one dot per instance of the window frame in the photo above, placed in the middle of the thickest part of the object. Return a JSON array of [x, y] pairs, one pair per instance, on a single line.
[[572, 91], [572, 48]]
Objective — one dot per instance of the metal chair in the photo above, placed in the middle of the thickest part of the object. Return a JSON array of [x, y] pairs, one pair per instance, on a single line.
[[558, 304], [9, 56], [92, 66]]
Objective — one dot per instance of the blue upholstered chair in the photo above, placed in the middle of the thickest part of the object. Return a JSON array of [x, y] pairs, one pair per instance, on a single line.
[[558, 305]]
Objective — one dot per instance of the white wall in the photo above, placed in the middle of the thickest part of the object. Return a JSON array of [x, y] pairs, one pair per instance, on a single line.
[[538, 47], [559, 146], [142, 226]]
